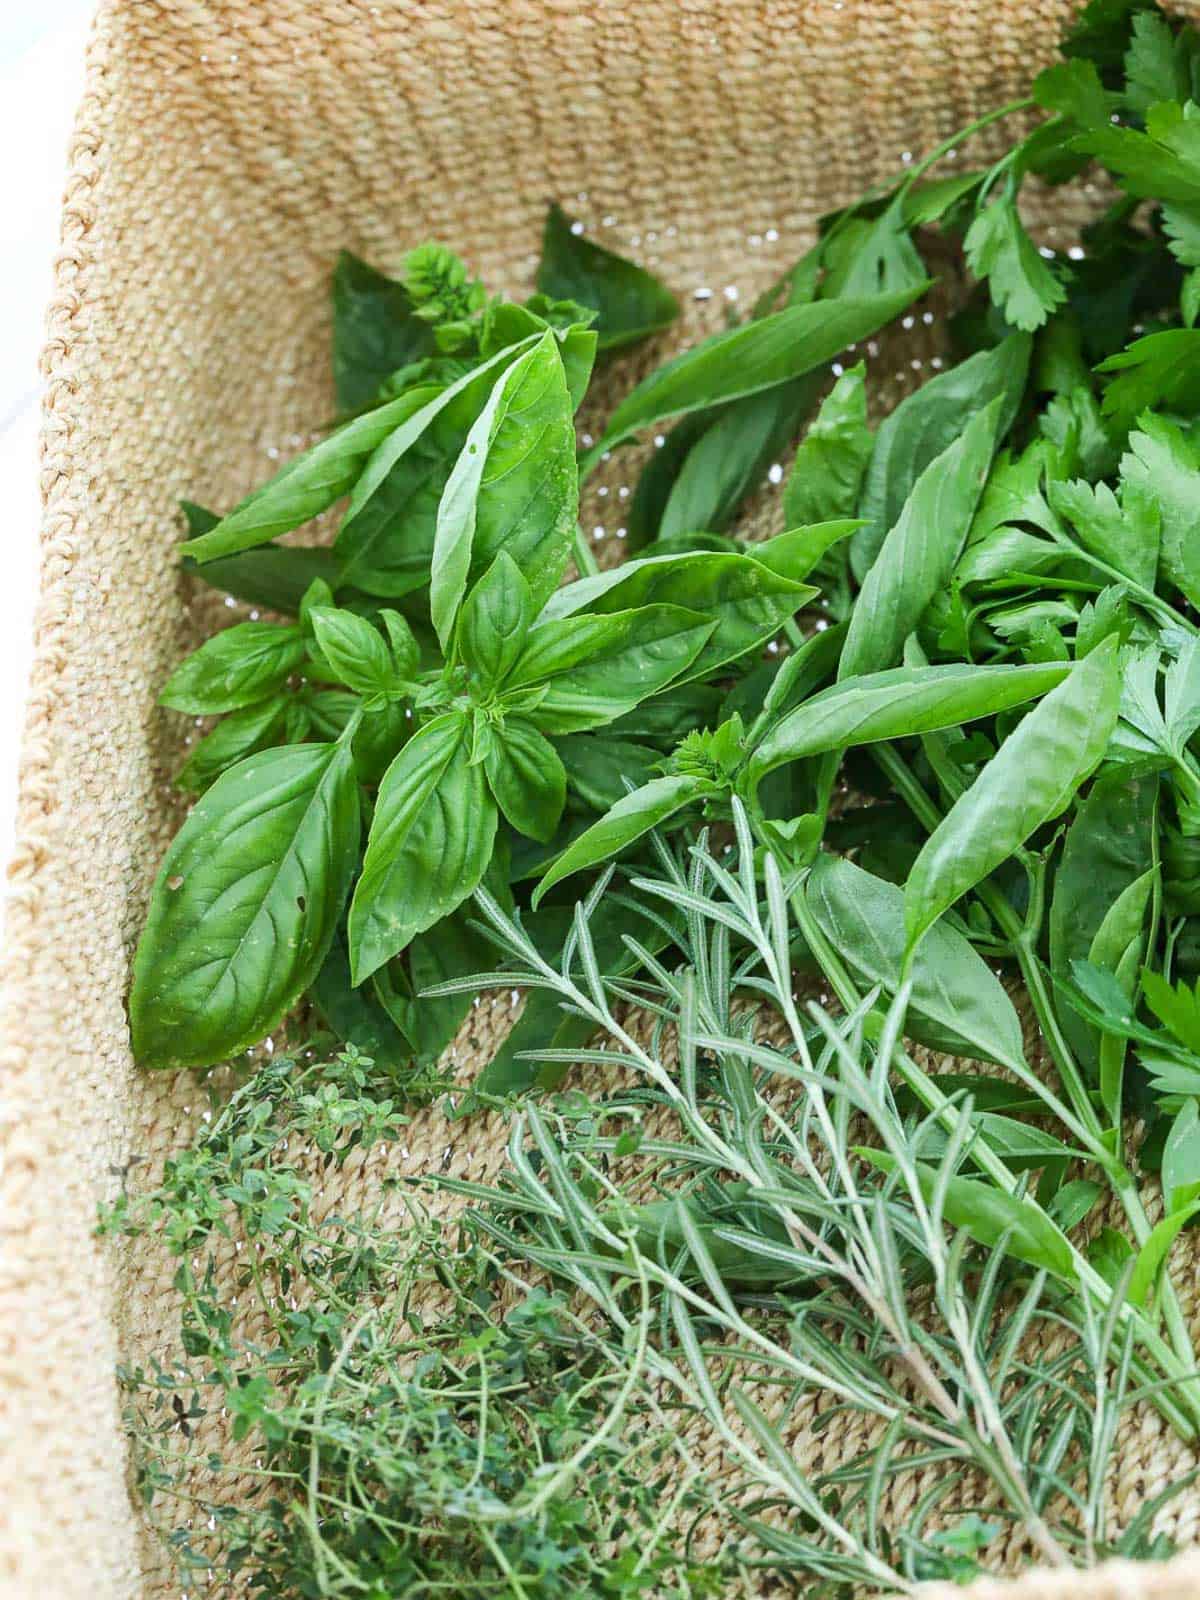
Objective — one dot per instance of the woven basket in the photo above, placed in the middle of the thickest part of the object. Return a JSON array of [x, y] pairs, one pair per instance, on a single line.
[[225, 150]]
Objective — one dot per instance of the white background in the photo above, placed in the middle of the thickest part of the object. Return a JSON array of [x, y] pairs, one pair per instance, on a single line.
[[41, 76]]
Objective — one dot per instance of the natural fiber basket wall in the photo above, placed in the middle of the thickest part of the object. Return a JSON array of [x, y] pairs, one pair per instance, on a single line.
[[224, 151]]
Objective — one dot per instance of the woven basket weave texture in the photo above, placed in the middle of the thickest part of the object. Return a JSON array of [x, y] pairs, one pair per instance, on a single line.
[[225, 150]]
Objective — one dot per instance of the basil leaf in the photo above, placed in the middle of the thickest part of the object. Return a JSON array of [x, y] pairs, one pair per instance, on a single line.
[[990, 1215], [748, 602], [919, 553], [601, 769], [634, 815], [654, 486], [897, 703], [513, 487], [732, 456], [1032, 778], [386, 538], [274, 576], [631, 302], [833, 455], [1154, 1252], [450, 949], [245, 905], [795, 553], [1109, 845], [374, 331], [958, 1005], [1181, 1158], [597, 668], [355, 1016], [307, 485], [741, 361], [926, 423], [495, 622], [235, 736], [430, 844], [526, 778], [665, 718], [354, 650], [235, 668]]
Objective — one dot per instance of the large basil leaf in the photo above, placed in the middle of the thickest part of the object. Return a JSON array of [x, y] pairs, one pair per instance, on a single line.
[[732, 456], [957, 1004], [1031, 779], [634, 815], [513, 487], [234, 668], [919, 552], [657, 480], [385, 542], [430, 843], [245, 905], [307, 485], [234, 737], [926, 423], [355, 1016], [596, 668], [600, 769], [1109, 845], [526, 776], [495, 621], [833, 455], [374, 331], [274, 576], [745, 360], [747, 601], [899, 703], [630, 301]]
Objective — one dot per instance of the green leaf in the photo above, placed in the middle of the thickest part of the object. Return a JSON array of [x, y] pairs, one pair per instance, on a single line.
[[1152, 1256], [1161, 370], [307, 485], [354, 650], [631, 302], [898, 703], [926, 423], [657, 480], [794, 554], [235, 668], [667, 717], [1124, 532], [828, 470], [1021, 281], [1161, 164], [793, 679], [632, 817], [1176, 1006], [513, 487], [1073, 89], [495, 622], [989, 1215], [732, 456], [1109, 845], [527, 779], [275, 576], [594, 669], [374, 331], [238, 735], [430, 843], [245, 905], [1032, 778], [1158, 63], [355, 1016], [919, 553], [1181, 1158], [1163, 464], [1109, 1253], [741, 361], [958, 1005], [747, 601], [600, 769], [450, 949], [386, 539]]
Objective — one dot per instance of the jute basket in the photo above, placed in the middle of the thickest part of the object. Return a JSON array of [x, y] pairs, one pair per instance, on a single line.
[[224, 151]]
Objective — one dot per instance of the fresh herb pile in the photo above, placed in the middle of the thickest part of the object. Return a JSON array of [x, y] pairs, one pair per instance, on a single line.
[[975, 753]]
